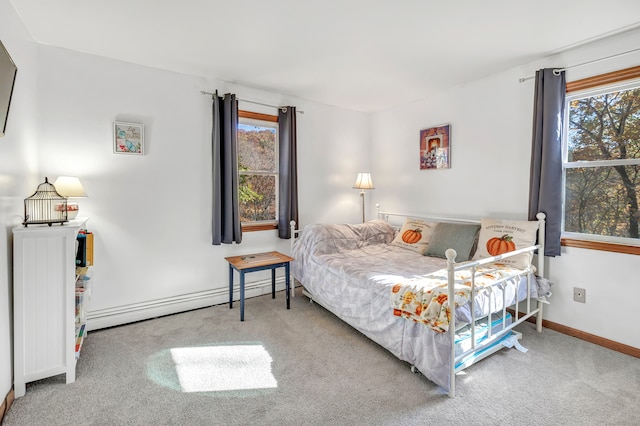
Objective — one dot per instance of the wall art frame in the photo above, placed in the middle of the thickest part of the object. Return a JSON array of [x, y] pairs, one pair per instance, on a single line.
[[435, 147], [128, 138]]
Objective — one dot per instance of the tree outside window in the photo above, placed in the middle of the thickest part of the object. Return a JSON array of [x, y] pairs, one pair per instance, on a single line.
[[602, 163], [258, 170]]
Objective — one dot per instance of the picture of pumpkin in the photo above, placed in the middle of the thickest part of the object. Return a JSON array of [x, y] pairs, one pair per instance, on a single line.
[[496, 246], [412, 236]]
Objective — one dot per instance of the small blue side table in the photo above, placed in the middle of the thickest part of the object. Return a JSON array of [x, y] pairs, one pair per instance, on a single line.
[[258, 262]]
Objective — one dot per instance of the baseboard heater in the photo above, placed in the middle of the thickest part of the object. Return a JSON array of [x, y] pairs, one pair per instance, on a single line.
[[110, 317]]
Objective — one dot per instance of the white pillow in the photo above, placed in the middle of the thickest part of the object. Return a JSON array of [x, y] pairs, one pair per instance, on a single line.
[[502, 236], [415, 235]]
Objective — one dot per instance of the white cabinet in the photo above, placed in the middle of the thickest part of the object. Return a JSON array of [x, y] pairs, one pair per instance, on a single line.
[[44, 302]]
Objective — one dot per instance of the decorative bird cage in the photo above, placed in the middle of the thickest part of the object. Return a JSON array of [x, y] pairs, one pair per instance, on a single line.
[[45, 206]]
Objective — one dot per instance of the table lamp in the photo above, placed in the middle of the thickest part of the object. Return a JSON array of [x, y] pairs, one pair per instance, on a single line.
[[70, 187]]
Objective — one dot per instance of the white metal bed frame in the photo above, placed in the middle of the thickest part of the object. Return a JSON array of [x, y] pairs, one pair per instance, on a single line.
[[488, 345]]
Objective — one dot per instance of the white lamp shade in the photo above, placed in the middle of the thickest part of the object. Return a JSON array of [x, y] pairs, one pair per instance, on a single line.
[[69, 186], [364, 181]]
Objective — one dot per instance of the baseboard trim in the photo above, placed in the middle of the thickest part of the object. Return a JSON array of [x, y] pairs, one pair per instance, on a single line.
[[110, 317], [588, 337], [6, 404], [592, 338]]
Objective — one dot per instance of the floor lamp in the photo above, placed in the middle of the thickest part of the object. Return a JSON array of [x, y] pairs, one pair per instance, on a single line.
[[363, 181]]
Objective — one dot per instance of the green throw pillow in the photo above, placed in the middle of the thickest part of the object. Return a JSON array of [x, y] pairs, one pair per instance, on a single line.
[[460, 237]]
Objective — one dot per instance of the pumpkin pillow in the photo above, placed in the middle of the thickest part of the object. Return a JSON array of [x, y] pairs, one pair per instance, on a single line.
[[502, 236], [414, 235]]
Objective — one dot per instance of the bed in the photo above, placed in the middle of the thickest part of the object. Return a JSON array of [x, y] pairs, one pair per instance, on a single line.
[[392, 279]]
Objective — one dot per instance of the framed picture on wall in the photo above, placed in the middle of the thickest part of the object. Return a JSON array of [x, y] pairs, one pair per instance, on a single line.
[[128, 138], [435, 147]]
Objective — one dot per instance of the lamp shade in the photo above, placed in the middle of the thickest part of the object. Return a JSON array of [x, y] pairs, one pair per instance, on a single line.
[[69, 186], [364, 181]]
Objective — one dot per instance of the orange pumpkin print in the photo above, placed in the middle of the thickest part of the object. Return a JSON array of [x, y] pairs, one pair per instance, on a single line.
[[442, 298], [408, 297], [412, 236], [396, 288], [496, 246]]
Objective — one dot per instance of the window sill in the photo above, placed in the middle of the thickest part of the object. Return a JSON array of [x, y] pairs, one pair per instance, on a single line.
[[599, 245], [259, 227]]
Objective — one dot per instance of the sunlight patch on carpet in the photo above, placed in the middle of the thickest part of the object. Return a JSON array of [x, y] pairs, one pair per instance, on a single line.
[[223, 368]]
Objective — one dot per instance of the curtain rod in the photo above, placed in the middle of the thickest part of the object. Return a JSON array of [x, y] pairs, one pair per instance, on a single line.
[[557, 71], [252, 102]]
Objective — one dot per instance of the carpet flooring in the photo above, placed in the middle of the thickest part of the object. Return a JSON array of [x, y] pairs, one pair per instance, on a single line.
[[306, 367]]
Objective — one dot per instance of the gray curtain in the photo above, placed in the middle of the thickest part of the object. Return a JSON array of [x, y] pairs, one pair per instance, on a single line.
[[226, 227], [288, 171], [545, 188]]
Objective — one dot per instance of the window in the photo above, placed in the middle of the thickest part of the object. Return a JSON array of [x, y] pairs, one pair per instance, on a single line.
[[258, 170], [602, 161]]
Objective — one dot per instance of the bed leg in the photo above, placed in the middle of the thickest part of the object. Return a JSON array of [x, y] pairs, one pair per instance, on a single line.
[[539, 317], [292, 240]]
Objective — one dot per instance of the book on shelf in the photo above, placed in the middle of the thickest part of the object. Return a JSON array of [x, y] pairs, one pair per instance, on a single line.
[[80, 331]]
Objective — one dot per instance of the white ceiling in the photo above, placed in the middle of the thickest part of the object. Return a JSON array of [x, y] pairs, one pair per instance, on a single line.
[[366, 55]]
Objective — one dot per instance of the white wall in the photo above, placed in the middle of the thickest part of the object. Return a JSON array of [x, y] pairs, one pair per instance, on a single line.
[[18, 164], [491, 122], [151, 213]]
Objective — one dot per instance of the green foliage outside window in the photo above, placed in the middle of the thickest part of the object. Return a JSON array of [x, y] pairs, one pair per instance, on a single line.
[[257, 163], [602, 172]]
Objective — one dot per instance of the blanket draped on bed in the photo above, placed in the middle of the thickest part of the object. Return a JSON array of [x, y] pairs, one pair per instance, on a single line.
[[426, 299]]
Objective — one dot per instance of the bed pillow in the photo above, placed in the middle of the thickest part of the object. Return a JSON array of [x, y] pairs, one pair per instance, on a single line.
[[500, 236], [460, 237], [414, 235]]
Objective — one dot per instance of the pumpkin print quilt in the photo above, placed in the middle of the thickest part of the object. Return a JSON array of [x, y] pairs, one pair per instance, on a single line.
[[426, 299]]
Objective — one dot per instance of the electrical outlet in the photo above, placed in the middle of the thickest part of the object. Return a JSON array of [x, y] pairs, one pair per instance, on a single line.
[[579, 295]]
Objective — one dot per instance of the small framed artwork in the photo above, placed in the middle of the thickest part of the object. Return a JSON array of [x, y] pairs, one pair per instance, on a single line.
[[435, 147], [128, 138]]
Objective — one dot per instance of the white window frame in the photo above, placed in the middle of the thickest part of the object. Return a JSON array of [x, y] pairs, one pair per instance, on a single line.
[[594, 91]]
